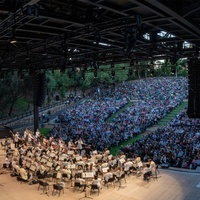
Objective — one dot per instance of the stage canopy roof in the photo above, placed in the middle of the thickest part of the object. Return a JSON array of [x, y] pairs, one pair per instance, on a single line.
[[48, 34]]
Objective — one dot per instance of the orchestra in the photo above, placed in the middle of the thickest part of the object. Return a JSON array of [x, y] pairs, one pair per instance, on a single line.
[[40, 157]]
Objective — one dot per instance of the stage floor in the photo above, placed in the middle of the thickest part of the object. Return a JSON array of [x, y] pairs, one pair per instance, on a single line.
[[170, 185]]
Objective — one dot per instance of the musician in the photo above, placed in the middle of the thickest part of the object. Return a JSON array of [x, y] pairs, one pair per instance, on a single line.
[[137, 161], [80, 163], [118, 172], [30, 138], [81, 181], [8, 143], [127, 165], [71, 145], [37, 135], [7, 162], [26, 135], [61, 144], [15, 166], [152, 165], [99, 158], [16, 139], [107, 176], [22, 150], [65, 170], [96, 181], [23, 173], [79, 146], [146, 172], [14, 163], [104, 165], [41, 170], [105, 154], [92, 168], [79, 171]]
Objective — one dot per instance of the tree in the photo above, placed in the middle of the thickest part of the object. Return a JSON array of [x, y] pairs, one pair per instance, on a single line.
[[12, 88]]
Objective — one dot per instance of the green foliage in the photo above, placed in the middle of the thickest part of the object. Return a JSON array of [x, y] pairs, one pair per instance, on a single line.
[[44, 131], [12, 89], [21, 105]]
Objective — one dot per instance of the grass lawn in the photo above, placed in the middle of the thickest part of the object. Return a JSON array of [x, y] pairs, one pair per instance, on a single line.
[[44, 131], [162, 122], [115, 150], [110, 119], [172, 114]]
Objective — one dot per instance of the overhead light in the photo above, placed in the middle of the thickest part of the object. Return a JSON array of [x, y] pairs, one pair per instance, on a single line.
[[103, 44], [13, 40]]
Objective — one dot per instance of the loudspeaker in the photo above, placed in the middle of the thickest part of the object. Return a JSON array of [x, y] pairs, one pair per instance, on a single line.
[[194, 89], [40, 89]]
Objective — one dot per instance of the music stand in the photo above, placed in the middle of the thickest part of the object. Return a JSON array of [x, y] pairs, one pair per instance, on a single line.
[[87, 175]]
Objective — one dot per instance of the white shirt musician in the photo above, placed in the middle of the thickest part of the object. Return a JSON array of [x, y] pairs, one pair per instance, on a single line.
[[127, 165], [152, 165], [107, 175], [71, 145], [96, 181], [65, 170], [23, 173], [79, 143], [26, 133], [137, 161], [7, 162], [30, 137], [37, 134], [112, 162], [16, 139], [42, 169]]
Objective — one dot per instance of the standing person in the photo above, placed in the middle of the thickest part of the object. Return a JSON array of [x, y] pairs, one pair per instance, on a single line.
[[79, 147], [30, 138], [37, 135], [16, 139]]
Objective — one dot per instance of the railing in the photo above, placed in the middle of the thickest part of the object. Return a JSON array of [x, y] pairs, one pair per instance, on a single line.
[[30, 113], [28, 121]]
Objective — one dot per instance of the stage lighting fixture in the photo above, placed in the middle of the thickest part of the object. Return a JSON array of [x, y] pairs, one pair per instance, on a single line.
[[13, 40]]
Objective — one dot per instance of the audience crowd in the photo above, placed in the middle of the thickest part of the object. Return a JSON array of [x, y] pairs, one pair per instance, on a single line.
[[176, 144], [151, 100]]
